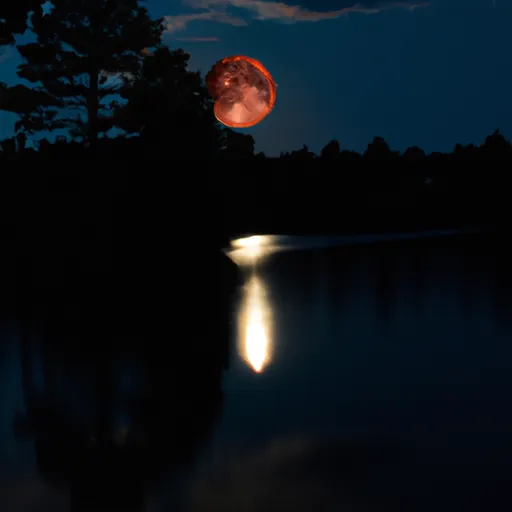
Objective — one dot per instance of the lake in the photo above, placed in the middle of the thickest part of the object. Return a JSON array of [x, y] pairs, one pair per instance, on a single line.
[[366, 373]]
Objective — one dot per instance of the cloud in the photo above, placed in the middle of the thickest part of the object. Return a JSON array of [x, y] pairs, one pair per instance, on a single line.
[[177, 23], [288, 11], [197, 39]]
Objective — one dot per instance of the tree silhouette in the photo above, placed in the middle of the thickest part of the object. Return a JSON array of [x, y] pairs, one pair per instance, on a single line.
[[378, 150], [14, 17], [22, 100], [496, 146], [168, 106], [414, 153], [331, 151], [237, 146], [300, 154], [80, 50]]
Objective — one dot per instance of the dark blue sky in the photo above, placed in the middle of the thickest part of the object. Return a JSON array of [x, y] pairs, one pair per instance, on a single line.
[[431, 76]]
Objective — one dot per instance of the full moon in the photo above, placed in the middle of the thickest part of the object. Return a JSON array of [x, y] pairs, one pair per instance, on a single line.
[[243, 89]]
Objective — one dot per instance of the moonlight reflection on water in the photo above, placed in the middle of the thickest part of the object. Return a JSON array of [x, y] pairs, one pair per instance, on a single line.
[[254, 322], [254, 316]]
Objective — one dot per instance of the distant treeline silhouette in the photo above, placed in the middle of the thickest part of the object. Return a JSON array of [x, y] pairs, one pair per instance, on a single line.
[[106, 88], [238, 146], [102, 82]]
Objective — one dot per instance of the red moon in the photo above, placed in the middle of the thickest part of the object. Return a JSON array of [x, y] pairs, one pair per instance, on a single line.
[[243, 89]]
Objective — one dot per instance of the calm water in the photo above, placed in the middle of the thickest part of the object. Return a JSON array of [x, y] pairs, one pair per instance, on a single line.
[[362, 377], [397, 355]]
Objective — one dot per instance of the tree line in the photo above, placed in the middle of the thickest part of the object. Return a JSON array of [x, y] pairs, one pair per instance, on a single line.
[[102, 81], [103, 84], [98, 69]]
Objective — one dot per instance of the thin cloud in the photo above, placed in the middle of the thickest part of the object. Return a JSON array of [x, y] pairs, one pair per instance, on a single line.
[[221, 11], [197, 39], [178, 23]]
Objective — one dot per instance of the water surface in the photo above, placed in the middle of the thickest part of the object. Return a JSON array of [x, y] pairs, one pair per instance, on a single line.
[[362, 375], [401, 349]]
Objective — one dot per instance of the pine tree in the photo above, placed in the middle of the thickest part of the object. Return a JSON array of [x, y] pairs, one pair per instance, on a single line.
[[81, 47], [169, 108], [14, 16]]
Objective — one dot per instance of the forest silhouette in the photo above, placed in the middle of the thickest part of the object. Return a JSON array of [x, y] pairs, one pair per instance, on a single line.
[[98, 78], [101, 66]]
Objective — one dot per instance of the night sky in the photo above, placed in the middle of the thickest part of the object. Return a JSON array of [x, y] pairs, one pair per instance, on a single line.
[[432, 75]]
